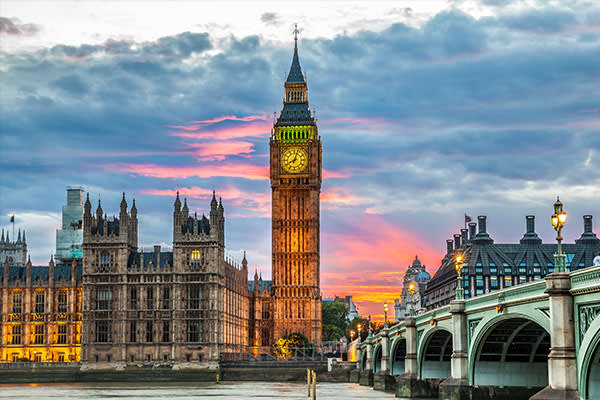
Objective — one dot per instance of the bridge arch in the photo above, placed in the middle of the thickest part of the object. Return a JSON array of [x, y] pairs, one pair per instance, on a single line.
[[377, 354], [435, 352], [397, 355], [510, 350], [589, 360], [363, 360]]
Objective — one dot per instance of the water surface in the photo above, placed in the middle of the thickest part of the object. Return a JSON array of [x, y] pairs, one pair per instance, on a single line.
[[188, 391]]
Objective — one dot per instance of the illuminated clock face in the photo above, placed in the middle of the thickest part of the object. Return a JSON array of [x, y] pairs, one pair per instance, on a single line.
[[294, 159]]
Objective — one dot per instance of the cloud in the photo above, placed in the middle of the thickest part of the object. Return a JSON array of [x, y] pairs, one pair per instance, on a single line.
[[13, 26], [238, 170], [270, 18]]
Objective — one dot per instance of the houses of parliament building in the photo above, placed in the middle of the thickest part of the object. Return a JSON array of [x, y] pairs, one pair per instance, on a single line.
[[105, 300]]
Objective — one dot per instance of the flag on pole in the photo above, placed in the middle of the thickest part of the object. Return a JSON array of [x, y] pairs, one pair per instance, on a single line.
[[12, 218], [467, 218]]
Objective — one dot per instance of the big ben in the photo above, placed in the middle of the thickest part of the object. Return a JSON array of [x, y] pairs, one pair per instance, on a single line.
[[295, 172]]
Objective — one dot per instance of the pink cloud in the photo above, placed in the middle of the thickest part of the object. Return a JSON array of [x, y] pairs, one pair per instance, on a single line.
[[257, 202], [252, 129], [246, 171], [220, 149], [231, 118]]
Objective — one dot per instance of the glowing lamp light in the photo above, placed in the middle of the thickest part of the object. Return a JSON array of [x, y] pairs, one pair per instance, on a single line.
[[432, 322], [411, 288]]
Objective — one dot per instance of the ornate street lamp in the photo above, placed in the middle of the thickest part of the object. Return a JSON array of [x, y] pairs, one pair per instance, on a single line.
[[385, 310], [352, 333], [359, 329], [458, 264], [411, 292], [558, 221]]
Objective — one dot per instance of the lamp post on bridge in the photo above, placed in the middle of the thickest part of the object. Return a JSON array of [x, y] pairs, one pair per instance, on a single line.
[[385, 310], [558, 221], [411, 292], [458, 264]]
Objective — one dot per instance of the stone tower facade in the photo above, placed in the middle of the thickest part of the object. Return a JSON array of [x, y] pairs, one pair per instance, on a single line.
[[296, 173]]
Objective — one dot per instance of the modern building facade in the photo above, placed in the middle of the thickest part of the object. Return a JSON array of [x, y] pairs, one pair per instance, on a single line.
[[69, 238], [489, 266], [416, 273]]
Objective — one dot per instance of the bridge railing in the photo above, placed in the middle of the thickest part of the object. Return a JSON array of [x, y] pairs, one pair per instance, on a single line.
[[271, 353]]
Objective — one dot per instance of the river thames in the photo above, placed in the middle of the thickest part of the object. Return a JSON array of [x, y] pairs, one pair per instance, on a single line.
[[185, 391]]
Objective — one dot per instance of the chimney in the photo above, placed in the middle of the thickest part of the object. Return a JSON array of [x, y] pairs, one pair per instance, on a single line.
[[472, 226], [449, 243], [464, 238], [587, 224], [482, 224], [482, 236], [157, 256], [530, 237], [588, 237], [456, 240]]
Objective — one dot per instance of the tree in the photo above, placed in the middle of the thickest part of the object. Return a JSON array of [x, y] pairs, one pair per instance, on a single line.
[[354, 327], [287, 346], [335, 320]]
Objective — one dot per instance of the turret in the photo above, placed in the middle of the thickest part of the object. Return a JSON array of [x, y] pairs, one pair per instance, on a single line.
[[24, 240], [133, 210], [186, 210], [19, 237], [99, 210], [245, 262], [28, 271], [177, 204], [123, 205], [51, 271], [2, 240]]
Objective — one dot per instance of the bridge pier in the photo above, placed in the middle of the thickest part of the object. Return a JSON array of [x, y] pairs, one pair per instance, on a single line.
[[382, 380], [366, 375], [562, 368], [457, 385], [408, 385]]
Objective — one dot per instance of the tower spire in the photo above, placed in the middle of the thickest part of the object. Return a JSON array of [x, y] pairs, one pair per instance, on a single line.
[[296, 32]]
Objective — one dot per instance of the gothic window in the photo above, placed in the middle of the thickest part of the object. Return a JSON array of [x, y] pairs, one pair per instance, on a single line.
[[104, 299], [166, 298], [102, 331], [17, 302], [148, 331], [149, 298], [194, 297], [62, 301], [132, 331], [61, 337], [196, 259], [133, 298], [39, 302], [193, 331], [104, 261], [16, 333], [165, 332], [38, 335]]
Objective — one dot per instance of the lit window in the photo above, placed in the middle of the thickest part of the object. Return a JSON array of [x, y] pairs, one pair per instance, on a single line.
[[38, 336], [522, 278], [494, 282], [195, 254], [17, 303], [16, 333], [507, 281], [39, 302], [61, 337], [62, 301]]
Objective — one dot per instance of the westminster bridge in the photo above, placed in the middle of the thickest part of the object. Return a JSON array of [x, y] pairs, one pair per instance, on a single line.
[[539, 340]]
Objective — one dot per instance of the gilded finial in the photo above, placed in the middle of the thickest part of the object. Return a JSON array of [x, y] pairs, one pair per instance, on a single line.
[[296, 32]]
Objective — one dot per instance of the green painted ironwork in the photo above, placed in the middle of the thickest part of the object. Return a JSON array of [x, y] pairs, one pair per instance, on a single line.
[[294, 134]]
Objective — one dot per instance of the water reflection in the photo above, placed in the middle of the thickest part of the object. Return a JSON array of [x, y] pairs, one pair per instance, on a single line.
[[185, 391]]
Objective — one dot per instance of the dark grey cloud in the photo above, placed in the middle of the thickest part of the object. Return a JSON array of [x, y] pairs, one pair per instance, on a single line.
[[13, 26], [270, 18], [459, 113]]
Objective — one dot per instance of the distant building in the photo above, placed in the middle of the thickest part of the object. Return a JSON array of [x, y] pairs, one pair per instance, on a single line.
[[13, 253], [489, 266], [418, 275], [347, 300], [69, 238]]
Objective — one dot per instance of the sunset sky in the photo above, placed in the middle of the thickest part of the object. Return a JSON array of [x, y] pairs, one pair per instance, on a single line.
[[427, 110]]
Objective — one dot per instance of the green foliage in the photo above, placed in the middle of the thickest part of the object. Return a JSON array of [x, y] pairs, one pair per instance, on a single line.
[[354, 327], [332, 333], [335, 313]]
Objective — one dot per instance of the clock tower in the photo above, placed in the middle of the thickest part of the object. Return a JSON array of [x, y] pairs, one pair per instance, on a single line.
[[295, 172]]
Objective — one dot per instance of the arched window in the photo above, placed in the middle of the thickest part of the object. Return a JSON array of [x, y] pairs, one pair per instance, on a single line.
[[196, 259], [105, 261]]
